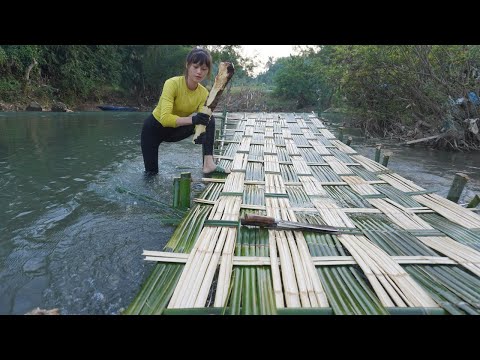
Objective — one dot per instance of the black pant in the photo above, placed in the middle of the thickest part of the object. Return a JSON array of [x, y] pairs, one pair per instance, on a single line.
[[153, 134]]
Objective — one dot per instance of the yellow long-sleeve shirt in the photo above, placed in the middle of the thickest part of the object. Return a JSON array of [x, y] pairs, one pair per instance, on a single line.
[[177, 100]]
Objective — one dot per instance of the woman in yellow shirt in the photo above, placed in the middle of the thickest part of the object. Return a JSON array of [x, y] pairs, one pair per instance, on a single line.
[[177, 113]]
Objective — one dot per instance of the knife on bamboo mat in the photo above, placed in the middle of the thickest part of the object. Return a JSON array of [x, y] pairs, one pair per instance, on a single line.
[[270, 223]]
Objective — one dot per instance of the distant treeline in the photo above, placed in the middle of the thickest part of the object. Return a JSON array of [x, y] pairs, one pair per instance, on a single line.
[[76, 73], [385, 88], [389, 89]]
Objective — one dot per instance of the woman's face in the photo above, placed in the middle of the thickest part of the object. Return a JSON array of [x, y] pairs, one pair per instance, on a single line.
[[197, 72]]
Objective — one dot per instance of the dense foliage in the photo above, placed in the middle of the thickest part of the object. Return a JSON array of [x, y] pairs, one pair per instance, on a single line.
[[76, 73], [404, 90]]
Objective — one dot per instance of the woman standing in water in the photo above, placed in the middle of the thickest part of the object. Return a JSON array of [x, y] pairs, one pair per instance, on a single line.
[[178, 111]]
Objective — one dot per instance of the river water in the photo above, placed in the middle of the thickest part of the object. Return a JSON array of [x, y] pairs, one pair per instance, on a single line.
[[71, 237]]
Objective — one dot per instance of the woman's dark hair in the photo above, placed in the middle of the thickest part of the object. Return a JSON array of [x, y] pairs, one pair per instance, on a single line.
[[199, 56]]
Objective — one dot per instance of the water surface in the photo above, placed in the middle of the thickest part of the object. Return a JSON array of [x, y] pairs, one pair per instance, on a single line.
[[71, 239]]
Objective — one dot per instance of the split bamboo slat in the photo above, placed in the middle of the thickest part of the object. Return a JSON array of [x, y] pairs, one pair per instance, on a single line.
[[450, 210], [392, 284], [161, 256], [320, 148], [399, 182], [291, 167], [327, 134], [462, 254], [369, 164], [308, 134], [337, 166], [343, 147]]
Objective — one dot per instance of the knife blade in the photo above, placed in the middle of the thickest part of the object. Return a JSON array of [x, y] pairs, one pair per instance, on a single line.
[[270, 223]]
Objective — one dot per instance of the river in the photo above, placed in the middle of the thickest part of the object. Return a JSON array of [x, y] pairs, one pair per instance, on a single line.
[[71, 238]]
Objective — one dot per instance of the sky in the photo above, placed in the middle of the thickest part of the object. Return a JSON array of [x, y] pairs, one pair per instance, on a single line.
[[264, 51]]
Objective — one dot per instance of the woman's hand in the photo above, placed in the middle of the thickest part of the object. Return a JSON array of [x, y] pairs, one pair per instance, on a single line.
[[200, 119]]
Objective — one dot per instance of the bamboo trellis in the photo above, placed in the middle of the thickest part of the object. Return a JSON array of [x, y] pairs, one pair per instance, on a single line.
[[291, 167]]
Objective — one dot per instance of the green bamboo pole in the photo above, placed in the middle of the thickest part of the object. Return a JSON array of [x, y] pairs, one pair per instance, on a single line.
[[194, 311], [415, 311], [176, 192], [475, 201], [246, 288], [305, 311], [386, 157], [217, 138], [162, 293], [139, 301], [378, 151], [185, 187], [237, 278], [340, 133], [456, 189]]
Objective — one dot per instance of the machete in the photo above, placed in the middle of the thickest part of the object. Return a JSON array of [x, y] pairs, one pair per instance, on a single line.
[[271, 223]]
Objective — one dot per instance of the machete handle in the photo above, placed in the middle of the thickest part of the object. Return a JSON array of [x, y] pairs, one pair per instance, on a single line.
[[258, 220]]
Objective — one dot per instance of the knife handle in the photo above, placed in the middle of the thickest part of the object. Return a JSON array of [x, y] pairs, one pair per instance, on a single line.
[[258, 220]]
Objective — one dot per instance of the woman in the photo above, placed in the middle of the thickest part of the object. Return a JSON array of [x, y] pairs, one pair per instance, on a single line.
[[177, 113]]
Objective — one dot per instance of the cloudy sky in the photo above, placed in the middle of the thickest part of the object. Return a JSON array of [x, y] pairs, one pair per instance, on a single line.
[[264, 51]]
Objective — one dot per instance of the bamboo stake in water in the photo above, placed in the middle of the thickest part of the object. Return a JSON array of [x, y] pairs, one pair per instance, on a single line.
[[185, 187], [475, 201], [378, 151], [456, 189], [176, 192], [386, 157]]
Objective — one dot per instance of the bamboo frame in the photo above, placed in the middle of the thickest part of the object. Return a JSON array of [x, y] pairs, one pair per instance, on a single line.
[[298, 157]]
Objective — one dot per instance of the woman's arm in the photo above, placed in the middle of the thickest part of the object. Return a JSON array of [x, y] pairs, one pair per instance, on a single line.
[[182, 121]]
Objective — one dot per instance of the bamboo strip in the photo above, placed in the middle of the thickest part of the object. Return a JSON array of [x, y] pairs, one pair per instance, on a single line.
[[464, 255], [400, 182], [312, 186], [203, 201], [327, 134], [343, 147], [308, 134], [291, 148], [359, 185], [234, 182], [245, 143], [300, 165], [317, 294], [320, 148], [239, 162], [286, 133], [305, 286], [184, 277], [331, 213], [226, 235], [404, 219], [450, 210], [226, 269], [396, 282], [337, 166], [274, 266], [197, 270], [317, 260], [274, 184], [292, 298], [268, 132], [369, 164], [271, 163], [270, 146]]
